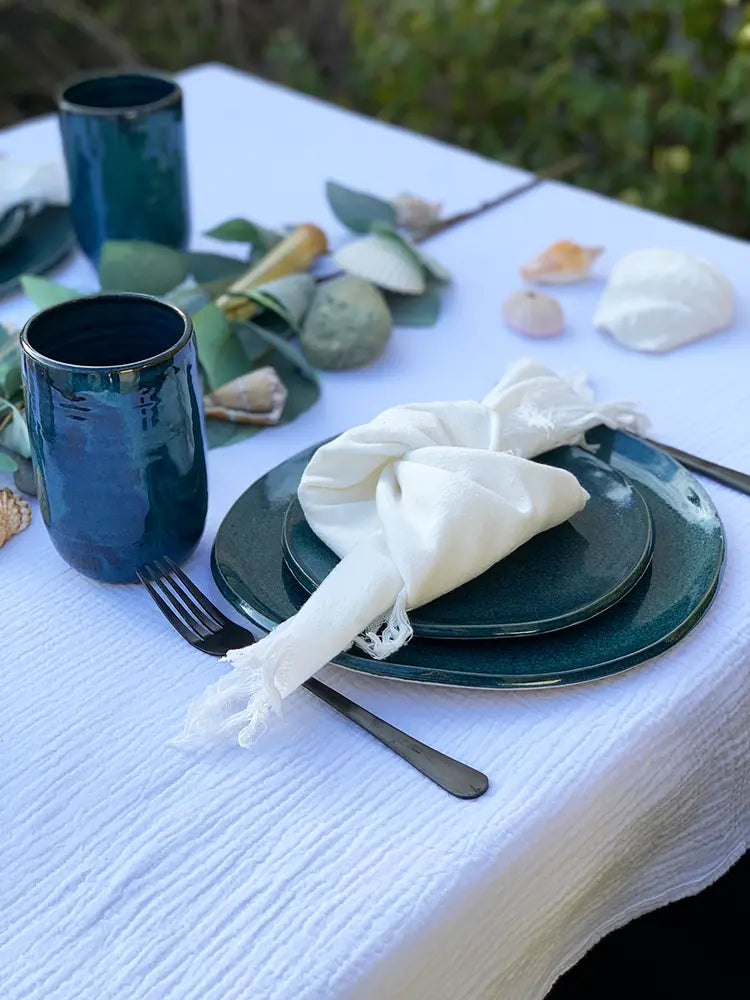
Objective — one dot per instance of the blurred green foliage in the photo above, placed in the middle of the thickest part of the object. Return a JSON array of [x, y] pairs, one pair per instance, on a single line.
[[654, 93]]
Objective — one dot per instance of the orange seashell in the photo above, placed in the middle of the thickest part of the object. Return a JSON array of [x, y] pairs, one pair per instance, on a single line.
[[561, 263]]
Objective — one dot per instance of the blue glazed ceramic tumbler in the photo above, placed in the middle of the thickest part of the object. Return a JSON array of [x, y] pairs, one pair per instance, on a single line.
[[124, 143], [116, 427]]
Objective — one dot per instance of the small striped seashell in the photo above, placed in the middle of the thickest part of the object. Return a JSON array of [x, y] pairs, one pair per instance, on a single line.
[[413, 212], [255, 398], [383, 261], [15, 515], [533, 314], [561, 263]]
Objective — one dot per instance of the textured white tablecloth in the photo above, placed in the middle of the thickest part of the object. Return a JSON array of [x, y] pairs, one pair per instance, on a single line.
[[319, 866]]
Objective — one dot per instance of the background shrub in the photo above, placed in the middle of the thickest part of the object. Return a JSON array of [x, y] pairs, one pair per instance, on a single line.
[[654, 93]]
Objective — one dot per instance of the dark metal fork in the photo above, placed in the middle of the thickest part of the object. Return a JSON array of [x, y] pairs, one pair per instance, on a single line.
[[206, 628]]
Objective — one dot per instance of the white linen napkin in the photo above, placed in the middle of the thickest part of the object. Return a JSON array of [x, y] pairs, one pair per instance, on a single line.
[[38, 183], [418, 501]]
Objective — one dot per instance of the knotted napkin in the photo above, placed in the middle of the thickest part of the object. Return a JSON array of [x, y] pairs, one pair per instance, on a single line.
[[35, 183], [418, 501]]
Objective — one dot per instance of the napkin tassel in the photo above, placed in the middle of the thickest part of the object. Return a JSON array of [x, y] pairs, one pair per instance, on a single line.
[[387, 632]]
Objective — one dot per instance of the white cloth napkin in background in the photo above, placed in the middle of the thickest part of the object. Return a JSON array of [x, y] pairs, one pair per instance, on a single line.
[[418, 501], [38, 183]]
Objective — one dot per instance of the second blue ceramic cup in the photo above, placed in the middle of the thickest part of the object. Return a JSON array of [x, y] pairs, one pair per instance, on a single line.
[[116, 428], [124, 143]]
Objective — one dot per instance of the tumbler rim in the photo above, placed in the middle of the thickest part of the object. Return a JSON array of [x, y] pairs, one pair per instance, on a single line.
[[168, 100], [155, 359]]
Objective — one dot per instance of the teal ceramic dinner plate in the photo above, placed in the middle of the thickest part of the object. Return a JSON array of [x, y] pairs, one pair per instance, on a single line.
[[666, 603], [44, 240], [558, 578]]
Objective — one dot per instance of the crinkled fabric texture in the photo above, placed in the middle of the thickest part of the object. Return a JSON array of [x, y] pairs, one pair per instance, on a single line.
[[416, 502]]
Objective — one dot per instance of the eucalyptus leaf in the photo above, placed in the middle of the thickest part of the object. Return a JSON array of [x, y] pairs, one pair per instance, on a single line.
[[288, 297], [293, 293], [7, 464], [434, 268], [15, 436], [391, 233], [8, 344], [356, 210], [23, 476], [210, 267], [414, 310], [44, 293], [220, 354], [10, 364], [284, 348], [138, 266], [243, 231], [11, 381], [189, 297]]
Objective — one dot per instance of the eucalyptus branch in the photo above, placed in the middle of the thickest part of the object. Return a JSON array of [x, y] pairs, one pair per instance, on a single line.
[[556, 170]]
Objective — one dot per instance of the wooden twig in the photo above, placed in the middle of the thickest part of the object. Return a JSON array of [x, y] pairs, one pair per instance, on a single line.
[[551, 173]]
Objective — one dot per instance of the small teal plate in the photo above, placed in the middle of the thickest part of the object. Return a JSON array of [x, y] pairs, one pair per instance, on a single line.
[[667, 602], [557, 579], [44, 240]]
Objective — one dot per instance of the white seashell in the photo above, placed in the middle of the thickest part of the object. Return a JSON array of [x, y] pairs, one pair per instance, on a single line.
[[384, 262], [413, 212], [15, 515], [534, 314], [255, 398], [656, 300]]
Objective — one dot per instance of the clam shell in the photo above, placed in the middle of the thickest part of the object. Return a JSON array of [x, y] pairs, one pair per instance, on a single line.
[[15, 515], [255, 398], [561, 263], [384, 262], [656, 300], [534, 314]]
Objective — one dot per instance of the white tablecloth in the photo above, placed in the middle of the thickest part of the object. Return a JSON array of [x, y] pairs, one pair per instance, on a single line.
[[319, 866]]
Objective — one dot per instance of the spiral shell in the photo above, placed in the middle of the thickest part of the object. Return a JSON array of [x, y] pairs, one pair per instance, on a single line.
[[534, 314], [561, 263], [255, 398], [15, 515]]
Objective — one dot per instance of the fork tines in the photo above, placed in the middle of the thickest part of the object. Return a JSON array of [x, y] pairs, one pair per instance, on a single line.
[[188, 610]]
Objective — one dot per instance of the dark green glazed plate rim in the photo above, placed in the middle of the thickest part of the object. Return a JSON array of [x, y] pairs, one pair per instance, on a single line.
[[45, 239], [660, 610], [557, 579]]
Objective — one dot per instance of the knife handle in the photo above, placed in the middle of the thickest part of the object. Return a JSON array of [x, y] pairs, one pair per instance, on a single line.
[[459, 779], [728, 477]]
